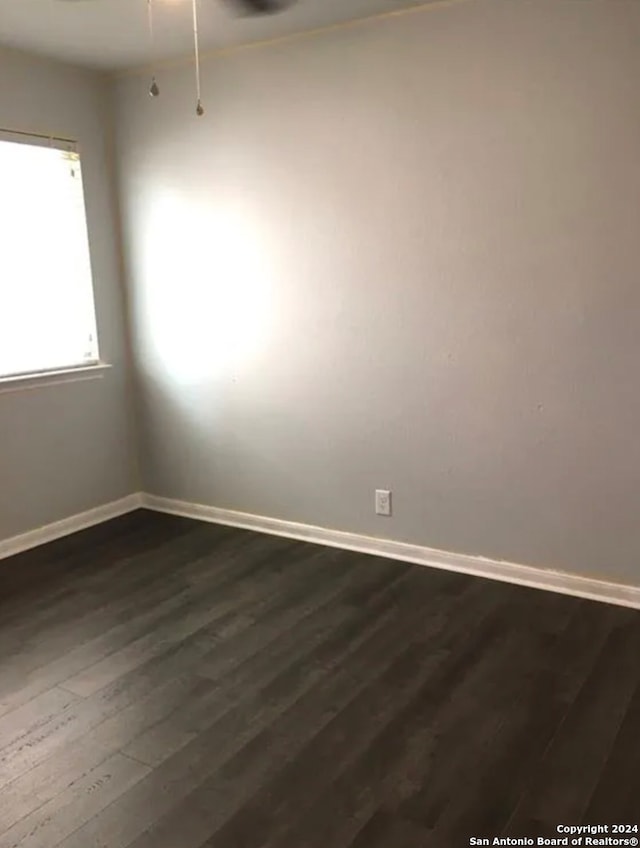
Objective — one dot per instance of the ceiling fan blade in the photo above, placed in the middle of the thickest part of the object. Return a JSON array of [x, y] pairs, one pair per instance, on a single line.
[[261, 7]]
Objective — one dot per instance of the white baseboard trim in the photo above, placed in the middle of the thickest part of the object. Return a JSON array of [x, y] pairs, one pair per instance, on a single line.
[[50, 532], [507, 572], [524, 575]]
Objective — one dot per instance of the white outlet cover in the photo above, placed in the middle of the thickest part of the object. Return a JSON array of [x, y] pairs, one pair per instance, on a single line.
[[383, 502]]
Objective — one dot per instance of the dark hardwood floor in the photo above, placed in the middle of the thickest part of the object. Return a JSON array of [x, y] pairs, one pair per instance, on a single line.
[[171, 684]]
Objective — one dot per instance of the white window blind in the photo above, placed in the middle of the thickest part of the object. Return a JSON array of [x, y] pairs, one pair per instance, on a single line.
[[47, 314]]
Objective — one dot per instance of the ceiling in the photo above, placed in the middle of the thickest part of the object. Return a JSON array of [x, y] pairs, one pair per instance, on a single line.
[[113, 34]]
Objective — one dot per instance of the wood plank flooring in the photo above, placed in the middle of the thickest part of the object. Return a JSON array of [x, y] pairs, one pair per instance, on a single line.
[[171, 684]]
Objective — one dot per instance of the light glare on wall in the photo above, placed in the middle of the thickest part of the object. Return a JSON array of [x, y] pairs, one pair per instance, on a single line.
[[207, 275]]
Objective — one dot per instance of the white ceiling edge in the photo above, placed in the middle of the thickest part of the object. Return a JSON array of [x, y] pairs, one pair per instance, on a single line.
[[112, 35], [410, 7]]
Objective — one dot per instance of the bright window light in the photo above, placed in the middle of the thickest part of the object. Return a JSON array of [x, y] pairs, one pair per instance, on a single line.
[[47, 313]]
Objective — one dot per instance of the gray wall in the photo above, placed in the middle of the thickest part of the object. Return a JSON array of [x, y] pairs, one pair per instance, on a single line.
[[401, 255], [68, 448]]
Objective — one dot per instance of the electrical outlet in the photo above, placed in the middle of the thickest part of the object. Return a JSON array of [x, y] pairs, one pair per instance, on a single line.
[[383, 502]]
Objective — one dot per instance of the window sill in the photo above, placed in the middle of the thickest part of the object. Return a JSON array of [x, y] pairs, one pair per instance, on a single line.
[[24, 382]]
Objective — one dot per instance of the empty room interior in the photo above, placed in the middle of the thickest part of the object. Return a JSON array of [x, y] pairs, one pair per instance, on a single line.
[[319, 419]]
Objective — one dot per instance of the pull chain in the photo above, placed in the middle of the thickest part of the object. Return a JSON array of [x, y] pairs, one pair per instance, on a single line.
[[154, 91], [199, 106]]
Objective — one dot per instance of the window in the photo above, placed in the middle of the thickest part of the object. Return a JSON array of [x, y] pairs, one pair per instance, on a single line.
[[47, 314]]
